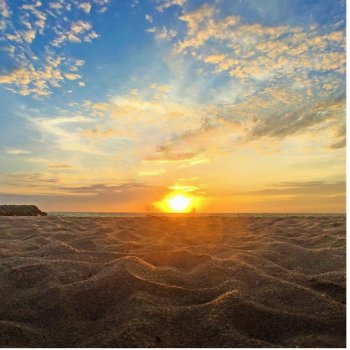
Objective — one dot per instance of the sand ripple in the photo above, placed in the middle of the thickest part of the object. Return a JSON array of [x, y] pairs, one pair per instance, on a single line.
[[172, 282]]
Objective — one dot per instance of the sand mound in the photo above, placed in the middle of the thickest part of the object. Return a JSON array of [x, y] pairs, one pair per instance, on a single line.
[[172, 282]]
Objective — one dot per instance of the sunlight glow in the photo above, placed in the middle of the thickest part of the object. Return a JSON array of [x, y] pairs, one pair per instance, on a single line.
[[179, 203]]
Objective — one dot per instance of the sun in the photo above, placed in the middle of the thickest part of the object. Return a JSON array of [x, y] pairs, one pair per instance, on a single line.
[[179, 203]]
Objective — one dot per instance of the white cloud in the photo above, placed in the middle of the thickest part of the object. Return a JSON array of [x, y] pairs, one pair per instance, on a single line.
[[71, 76], [4, 9], [56, 5], [162, 33], [17, 151], [65, 132], [85, 6], [165, 4]]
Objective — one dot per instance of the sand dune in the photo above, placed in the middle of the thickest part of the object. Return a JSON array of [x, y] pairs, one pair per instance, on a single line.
[[172, 282]]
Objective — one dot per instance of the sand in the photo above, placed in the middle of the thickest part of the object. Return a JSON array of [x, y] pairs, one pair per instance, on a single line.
[[172, 282]]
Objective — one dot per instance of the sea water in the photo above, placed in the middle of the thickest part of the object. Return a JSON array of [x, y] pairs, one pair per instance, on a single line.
[[116, 214]]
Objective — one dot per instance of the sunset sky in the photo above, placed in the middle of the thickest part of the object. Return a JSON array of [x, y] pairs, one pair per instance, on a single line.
[[111, 105]]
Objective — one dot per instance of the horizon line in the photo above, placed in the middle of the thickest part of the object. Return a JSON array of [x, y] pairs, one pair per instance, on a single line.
[[141, 212]]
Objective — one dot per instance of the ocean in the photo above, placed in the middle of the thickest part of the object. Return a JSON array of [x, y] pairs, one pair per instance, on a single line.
[[132, 215]]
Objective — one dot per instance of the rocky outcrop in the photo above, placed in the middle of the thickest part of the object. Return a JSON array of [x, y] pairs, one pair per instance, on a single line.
[[21, 210]]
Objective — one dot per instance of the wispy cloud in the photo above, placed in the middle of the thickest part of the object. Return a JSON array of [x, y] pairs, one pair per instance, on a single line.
[[97, 132], [64, 132], [319, 188], [59, 166], [166, 156], [150, 172], [162, 33], [85, 6], [29, 183], [101, 188], [123, 198], [149, 18], [165, 4], [17, 151]]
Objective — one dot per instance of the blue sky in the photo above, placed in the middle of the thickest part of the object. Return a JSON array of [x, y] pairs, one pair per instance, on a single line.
[[110, 104]]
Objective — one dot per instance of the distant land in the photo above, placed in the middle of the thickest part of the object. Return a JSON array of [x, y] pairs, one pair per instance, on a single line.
[[21, 210]]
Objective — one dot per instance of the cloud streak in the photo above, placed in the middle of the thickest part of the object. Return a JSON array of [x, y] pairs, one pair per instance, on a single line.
[[319, 188]]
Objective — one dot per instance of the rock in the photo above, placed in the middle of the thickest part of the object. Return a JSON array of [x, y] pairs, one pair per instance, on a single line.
[[21, 210]]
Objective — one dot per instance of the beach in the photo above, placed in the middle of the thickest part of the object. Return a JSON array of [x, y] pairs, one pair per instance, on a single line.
[[173, 281]]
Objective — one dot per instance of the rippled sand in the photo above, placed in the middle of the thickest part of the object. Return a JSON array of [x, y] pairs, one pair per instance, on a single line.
[[172, 282]]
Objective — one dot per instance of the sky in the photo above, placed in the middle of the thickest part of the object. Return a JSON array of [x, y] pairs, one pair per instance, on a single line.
[[110, 105]]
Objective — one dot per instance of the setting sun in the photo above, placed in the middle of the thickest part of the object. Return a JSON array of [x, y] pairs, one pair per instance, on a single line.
[[179, 203]]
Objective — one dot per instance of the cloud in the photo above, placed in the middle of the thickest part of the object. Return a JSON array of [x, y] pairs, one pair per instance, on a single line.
[[319, 188], [181, 159], [148, 110], [165, 4], [126, 197], [18, 77], [134, 3], [59, 166], [56, 5], [100, 106], [101, 188], [99, 133], [162, 33], [29, 183], [4, 9], [257, 52], [150, 122], [257, 121], [193, 20], [79, 31], [162, 131], [85, 6], [300, 119], [17, 151], [204, 127], [71, 76], [161, 91], [338, 134], [40, 81], [339, 144], [101, 2], [97, 108], [37, 69], [289, 78], [184, 188], [150, 172], [64, 132], [163, 155]]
